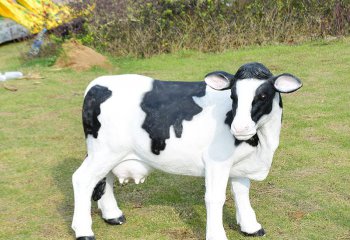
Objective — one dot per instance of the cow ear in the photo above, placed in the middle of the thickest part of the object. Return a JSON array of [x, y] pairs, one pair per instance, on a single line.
[[219, 80], [286, 83]]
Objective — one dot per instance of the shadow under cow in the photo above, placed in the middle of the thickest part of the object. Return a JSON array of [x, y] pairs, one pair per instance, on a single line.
[[182, 193]]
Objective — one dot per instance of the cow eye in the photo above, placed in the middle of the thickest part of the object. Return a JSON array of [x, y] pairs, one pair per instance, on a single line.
[[263, 96]]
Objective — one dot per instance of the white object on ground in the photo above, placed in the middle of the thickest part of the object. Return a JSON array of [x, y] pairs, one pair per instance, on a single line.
[[10, 75], [2, 78]]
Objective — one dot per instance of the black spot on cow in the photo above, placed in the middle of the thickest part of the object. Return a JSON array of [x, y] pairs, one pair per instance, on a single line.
[[253, 70], [263, 100], [280, 102], [281, 105], [253, 141], [229, 118], [234, 98], [169, 104], [91, 108], [99, 190]]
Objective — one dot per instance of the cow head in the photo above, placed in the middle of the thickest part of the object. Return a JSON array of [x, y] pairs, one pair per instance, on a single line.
[[253, 92]]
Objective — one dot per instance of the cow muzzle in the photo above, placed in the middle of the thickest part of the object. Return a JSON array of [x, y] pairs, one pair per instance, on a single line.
[[243, 130]]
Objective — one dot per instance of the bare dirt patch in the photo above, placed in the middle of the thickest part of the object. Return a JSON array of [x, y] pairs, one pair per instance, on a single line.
[[269, 188], [6, 114], [340, 127], [297, 215], [80, 58], [180, 234], [308, 171]]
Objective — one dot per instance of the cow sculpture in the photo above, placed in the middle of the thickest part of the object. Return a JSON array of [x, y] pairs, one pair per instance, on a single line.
[[225, 128]]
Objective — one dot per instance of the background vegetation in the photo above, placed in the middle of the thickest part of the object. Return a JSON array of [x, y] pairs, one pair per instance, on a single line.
[[306, 195], [148, 27]]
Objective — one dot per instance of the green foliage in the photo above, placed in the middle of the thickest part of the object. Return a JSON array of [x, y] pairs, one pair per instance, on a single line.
[[144, 28]]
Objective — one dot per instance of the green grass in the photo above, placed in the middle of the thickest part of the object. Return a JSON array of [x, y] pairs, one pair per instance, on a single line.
[[306, 195]]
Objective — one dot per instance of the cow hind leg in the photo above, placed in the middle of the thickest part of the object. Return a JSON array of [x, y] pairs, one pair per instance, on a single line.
[[104, 194], [94, 168]]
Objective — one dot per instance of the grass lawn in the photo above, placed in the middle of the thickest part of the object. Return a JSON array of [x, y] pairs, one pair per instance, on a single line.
[[306, 195]]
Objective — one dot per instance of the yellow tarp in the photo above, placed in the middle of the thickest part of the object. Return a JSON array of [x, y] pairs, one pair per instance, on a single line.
[[36, 15], [16, 12]]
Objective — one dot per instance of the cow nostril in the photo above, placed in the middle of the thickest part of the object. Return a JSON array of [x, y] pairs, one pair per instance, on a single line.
[[237, 129], [240, 129]]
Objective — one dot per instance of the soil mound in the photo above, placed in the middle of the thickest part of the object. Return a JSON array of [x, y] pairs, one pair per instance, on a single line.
[[80, 58]]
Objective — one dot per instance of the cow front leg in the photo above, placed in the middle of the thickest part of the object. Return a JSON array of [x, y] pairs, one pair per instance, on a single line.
[[245, 214], [216, 177]]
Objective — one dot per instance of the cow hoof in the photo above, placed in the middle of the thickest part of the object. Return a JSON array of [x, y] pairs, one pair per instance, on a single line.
[[258, 233], [86, 238], [116, 221]]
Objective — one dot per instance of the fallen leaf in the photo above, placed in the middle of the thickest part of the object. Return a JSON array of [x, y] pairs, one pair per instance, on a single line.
[[10, 88]]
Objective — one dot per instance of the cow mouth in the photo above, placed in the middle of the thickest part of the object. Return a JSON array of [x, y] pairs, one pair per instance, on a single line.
[[243, 136]]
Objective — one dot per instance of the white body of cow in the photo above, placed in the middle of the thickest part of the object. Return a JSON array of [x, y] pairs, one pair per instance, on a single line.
[[206, 148]]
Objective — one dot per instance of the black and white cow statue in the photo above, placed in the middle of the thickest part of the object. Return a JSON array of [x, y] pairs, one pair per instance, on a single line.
[[225, 128]]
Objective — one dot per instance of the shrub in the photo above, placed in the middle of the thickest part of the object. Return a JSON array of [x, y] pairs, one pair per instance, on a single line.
[[144, 28]]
